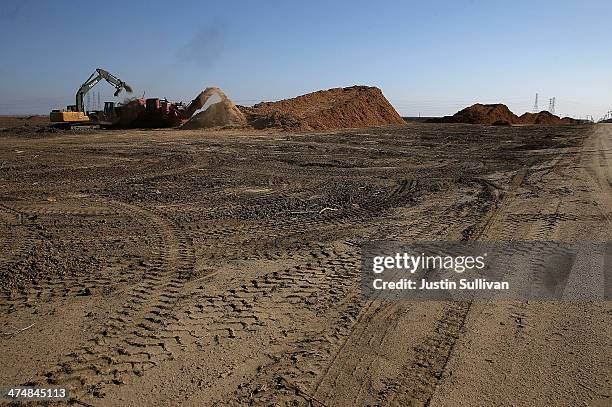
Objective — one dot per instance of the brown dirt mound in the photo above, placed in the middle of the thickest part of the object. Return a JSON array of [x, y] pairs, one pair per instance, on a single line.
[[544, 117], [355, 106], [528, 118], [221, 114], [497, 114]]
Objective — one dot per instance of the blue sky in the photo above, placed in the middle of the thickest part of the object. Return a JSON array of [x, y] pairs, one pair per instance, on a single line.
[[429, 58]]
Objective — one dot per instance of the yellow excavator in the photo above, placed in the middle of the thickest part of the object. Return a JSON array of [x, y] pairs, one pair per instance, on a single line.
[[76, 113]]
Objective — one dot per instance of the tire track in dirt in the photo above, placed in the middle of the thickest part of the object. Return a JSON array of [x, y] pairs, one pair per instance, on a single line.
[[16, 235], [418, 380], [325, 278], [19, 238], [311, 277], [112, 354], [14, 238], [501, 226], [66, 286], [599, 169], [293, 372], [61, 210], [429, 368], [128, 343], [10, 216], [213, 318], [245, 306], [528, 317], [285, 229], [496, 228]]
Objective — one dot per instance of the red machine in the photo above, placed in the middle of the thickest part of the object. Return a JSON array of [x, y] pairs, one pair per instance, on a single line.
[[144, 113], [150, 113]]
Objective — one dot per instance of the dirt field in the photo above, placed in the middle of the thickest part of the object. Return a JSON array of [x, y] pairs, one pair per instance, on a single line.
[[22, 121], [222, 268]]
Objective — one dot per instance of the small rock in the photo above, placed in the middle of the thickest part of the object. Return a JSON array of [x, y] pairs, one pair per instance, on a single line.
[[84, 292]]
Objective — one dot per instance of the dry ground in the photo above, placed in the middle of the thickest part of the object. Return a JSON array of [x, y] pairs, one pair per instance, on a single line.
[[222, 268], [10, 122]]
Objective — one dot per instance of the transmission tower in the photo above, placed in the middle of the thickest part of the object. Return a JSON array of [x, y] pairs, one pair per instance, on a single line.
[[535, 105], [99, 107], [551, 105], [554, 103]]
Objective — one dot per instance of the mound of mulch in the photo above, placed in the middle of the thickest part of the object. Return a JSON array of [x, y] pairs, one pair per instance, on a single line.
[[544, 117], [355, 106], [220, 114], [499, 114]]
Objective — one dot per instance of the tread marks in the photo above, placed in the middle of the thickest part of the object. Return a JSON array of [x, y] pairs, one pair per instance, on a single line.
[[295, 227], [418, 381], [323, 281], [434, 354], [130, 342], [66, 286], [315, 353]]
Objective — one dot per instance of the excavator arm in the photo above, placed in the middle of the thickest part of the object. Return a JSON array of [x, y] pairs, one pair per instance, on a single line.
[[93, 80]]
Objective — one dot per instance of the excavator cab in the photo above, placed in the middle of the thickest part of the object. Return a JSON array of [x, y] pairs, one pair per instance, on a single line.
[[108, 108]]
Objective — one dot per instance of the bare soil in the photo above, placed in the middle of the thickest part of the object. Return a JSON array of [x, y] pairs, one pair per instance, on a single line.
[[166, 267], [22, 121]]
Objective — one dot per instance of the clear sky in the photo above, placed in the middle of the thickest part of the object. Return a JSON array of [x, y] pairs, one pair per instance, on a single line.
[[428, 57]]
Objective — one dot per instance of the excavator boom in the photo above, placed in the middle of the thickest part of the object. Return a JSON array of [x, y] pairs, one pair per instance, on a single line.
[[76, 113], [93, 80]]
